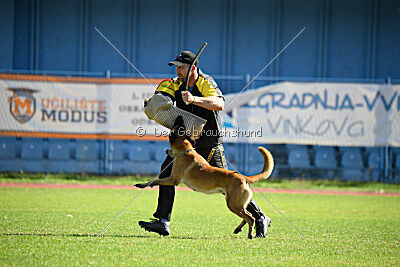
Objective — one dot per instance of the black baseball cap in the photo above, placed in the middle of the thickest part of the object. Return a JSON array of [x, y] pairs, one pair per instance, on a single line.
[[185, 57]]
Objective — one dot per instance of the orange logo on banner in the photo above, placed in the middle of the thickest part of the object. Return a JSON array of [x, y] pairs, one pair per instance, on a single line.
[[22, 104]]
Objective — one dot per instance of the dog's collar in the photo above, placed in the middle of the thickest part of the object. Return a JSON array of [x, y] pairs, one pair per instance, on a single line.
[[183, 153]]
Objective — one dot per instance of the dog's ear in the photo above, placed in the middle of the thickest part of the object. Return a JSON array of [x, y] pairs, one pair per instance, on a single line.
[[179, 121], [179, 125], [178, 130], [172, 137], [191, 140]]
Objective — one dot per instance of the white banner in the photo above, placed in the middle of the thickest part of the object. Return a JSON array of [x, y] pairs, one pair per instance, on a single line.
[[341, 114], [72, 107], [335, 114]]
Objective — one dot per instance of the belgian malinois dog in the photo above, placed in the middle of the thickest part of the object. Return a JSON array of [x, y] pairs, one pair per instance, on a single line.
[[192, 169]]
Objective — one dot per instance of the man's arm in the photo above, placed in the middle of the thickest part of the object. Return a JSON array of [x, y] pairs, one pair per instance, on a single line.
[[208, 102], [166, 88]]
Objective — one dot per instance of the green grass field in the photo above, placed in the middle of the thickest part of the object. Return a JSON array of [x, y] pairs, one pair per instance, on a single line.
[[319, 184], [58, 227]]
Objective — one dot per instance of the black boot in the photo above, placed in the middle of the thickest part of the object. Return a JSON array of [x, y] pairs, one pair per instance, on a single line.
[[155, 226], [262, 225], [262, 221]]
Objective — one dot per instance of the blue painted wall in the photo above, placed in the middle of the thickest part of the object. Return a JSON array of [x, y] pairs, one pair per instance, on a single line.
[[357, 39]]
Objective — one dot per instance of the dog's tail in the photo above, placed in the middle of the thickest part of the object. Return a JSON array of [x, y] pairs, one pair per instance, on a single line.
[[267, 168]]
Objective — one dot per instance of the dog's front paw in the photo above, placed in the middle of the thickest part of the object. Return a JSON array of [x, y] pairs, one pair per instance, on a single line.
[[141, 185]]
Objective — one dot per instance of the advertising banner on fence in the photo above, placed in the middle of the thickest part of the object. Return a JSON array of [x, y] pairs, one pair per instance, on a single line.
[[73, 107], [341, 114]]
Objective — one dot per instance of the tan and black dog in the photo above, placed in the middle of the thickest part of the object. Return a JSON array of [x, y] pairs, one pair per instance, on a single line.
[[193, 170]]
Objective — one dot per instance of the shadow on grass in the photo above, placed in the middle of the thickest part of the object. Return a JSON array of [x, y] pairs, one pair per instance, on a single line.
[[95, 235]]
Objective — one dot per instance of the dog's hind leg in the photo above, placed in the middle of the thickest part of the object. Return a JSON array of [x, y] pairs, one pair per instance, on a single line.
[[239, 228], [242, 213], [250, 221]]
